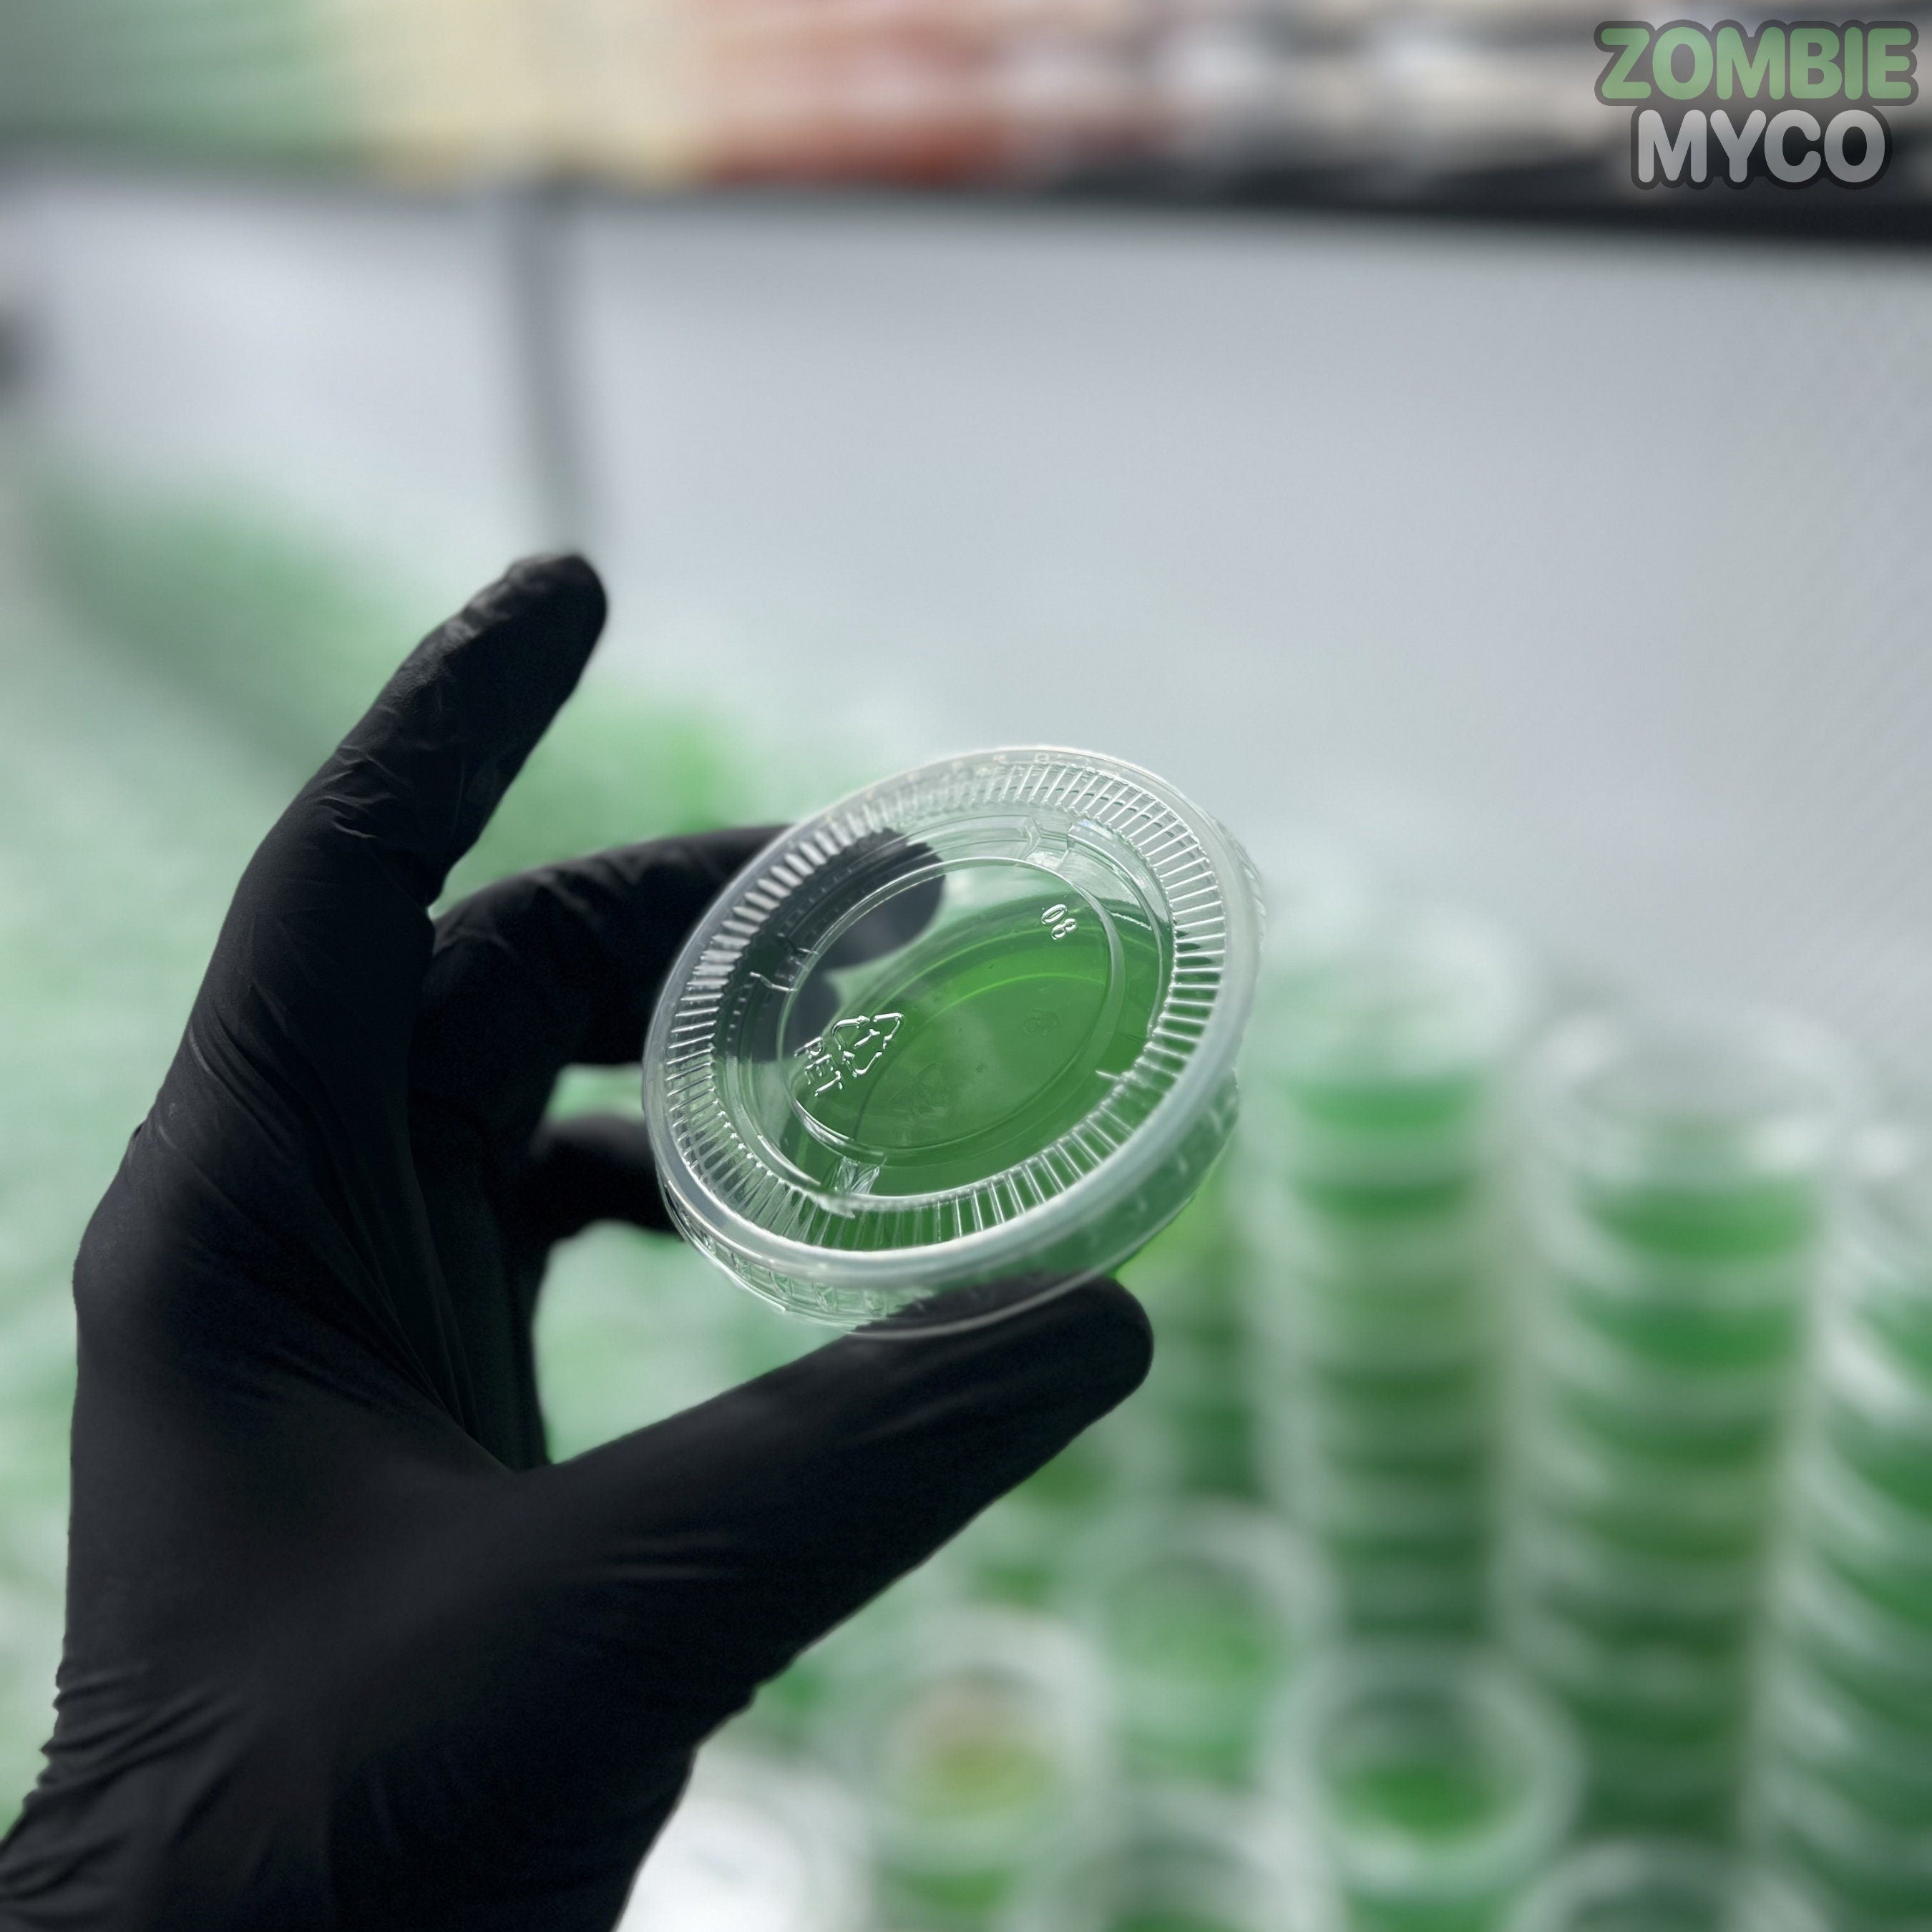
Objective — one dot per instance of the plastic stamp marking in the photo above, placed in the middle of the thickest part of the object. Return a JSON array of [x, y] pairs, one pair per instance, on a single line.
[[1061, 922], [853, 1047]]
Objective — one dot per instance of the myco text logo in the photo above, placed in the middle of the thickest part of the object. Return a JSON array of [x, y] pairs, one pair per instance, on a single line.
[[1719, 97]]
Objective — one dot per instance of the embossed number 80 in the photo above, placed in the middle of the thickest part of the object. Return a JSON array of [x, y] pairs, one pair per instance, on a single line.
[[1062, 921]]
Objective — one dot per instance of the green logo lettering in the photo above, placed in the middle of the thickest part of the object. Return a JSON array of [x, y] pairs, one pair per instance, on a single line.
[[1744, 66], [1889, 63], [1814, 63], [1683, 37], [1626, 40]]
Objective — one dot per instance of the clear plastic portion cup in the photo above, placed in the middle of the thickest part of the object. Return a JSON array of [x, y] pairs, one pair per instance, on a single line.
[[975, 1024], [1437, 1782], [980, 1752], [1693, 1135]]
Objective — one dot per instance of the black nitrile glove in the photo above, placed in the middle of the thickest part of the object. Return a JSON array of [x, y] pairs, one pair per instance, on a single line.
[[343, 1650]]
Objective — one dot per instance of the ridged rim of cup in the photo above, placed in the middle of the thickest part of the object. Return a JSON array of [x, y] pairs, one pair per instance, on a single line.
[[1810, 1719], [1671, 1680], [1617, 1872], [1836, 1507], [1795, 1797], [1811, 1602]]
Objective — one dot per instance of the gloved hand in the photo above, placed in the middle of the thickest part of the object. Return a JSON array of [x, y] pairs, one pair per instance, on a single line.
[[343, 1650]]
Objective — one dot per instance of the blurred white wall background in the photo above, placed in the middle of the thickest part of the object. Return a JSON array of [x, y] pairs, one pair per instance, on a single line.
[[1582, 578]]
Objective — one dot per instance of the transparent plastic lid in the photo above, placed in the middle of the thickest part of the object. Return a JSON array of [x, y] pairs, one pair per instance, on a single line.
[[975, 1024], [1429, 1773]]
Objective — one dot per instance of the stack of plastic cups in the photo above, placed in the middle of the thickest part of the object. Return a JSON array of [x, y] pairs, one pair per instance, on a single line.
[[1171, 1860], [1209, 1409], [1202, 1613], [980, 1752], [1433, 1786], [1682, 1166], [1661, 1885], [757, 1845], [1198, 1393], [1374, 1264], [1842, 1785]]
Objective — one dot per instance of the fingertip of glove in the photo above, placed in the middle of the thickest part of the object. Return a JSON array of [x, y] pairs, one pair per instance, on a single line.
[[1107, 1331], [565, 579]]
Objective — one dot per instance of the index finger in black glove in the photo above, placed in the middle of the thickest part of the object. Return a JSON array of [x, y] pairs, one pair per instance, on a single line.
[[283, 1126]]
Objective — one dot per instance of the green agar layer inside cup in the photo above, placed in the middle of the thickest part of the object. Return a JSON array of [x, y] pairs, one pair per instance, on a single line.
[[1159, 1918], [985, 1039]]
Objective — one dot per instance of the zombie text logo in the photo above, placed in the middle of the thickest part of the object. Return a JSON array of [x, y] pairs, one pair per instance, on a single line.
[[1794, 102]]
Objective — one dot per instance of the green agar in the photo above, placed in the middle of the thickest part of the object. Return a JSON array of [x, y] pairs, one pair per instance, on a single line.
[[1442, 1802], [1402, 1592], [1678, 1331], [1390, 1326], [1444, 1915], [1450, 1103], [1752, 1222], [1642, 1421], [969, 1051], [1651, 1915], [1165, 1918], [975, 1786], [1368, 1206], [978, 1773], [1646, 1525]]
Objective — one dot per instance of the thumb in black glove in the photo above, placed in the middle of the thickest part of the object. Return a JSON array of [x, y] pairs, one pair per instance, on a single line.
[[343, 1650]]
